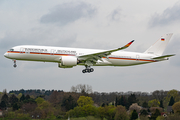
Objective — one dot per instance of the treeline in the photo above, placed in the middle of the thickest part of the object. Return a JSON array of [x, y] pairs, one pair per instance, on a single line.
[[82, 102], [34, 92]]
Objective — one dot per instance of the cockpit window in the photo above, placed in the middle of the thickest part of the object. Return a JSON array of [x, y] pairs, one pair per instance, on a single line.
[[11, 49]]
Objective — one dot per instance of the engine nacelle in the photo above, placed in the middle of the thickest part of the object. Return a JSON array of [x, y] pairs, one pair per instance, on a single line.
[[67, 62]]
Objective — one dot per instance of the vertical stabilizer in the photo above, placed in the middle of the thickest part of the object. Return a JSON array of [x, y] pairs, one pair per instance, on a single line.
[[160, 45]]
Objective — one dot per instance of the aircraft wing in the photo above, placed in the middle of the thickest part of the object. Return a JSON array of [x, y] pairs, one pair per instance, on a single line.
[[89, 59]]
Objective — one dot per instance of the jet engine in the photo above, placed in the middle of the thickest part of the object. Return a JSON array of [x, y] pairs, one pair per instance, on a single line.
[[67, 62]]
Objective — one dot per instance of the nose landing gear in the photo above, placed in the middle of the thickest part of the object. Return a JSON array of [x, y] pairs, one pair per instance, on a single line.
[[14, 64], [87, 70]]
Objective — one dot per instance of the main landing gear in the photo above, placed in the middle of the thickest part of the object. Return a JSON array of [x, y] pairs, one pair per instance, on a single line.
[[88, 69], [14, 64]]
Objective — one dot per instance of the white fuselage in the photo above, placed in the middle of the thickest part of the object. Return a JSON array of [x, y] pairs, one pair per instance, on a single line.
[[54, 54]]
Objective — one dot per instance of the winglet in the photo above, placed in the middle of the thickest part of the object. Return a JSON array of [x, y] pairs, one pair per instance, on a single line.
[[127, 45]]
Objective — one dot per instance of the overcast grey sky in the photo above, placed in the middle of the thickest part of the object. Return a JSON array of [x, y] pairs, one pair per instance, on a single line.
[[99, 24]]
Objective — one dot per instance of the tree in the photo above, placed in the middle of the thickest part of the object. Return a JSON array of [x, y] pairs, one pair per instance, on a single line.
[[15, 106], [32, 97], [4, 91], [84, 89], [54, 98], [172, 93], [153, 103], [101, 112], [161, 104], [123, 101], [69, 103], [171, 102], [176, 107], [44, 105], [156, 114], [39, 100], [116, 102], [30, 100], [85, 107], [135, 106], [27, 97], [29, 107], [159, 94], [3, 105], [22, 98], [134, 115], [153, 109], [144, 112], [84, 111], [132, 99], [83, 100], [103, 105], [145, 104], [5, 98], [19, 96], [46, 110], [121, 113], [13, 99], [110, 112]]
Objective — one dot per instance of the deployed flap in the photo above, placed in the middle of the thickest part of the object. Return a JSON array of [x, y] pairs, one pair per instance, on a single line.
[[164, 56], [97, 56]]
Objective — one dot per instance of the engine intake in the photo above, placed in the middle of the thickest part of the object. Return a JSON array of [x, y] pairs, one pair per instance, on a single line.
[[67, 62]]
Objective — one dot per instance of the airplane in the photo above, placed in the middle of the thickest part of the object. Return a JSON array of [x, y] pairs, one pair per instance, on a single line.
[[70, 57]]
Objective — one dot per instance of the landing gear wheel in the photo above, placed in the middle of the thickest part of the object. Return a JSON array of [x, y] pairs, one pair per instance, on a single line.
[[14, 65], [91, 69], [88, 70], [84, 71]]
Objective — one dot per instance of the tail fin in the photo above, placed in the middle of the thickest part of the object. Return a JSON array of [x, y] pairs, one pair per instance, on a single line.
[[160, 45]]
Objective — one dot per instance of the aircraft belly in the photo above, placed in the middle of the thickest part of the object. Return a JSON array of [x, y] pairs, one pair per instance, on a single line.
[[117, 62]]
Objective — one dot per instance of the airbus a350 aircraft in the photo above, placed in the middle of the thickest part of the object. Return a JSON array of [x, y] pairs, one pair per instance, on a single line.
[[70, 57]]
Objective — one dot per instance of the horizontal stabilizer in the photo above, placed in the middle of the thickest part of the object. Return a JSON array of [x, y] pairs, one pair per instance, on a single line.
[[164, 56]]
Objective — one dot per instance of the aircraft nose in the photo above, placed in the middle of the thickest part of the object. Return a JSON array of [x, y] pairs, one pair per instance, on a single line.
[[6, 54]]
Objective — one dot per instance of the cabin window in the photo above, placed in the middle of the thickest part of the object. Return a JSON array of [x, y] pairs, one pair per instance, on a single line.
[[11, 49]]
